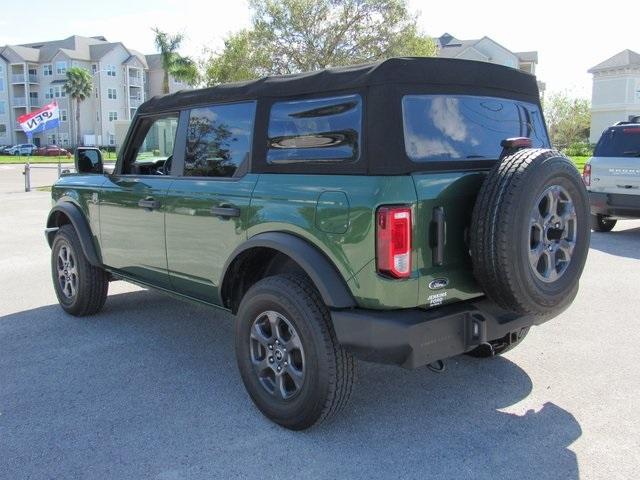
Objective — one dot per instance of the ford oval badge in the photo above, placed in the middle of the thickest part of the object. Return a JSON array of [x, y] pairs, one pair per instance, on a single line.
[[438, 283]]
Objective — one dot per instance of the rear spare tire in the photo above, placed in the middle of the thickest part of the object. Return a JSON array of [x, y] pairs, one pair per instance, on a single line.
[[530, 232]]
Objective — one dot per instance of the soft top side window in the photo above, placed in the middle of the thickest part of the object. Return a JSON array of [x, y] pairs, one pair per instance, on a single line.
[[466, 127], [315, 130], [151, 150], [219, 140]]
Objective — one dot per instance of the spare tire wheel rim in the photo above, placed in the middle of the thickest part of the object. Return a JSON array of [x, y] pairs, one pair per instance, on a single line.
[[277, 355], [552, 234]]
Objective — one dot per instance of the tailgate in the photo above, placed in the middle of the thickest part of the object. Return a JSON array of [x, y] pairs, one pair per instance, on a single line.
[[615, 175], [443, 217]]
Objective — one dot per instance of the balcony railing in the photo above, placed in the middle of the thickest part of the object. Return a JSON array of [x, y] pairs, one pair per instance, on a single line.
[[35, 102], [135, 81], [23, 78], [135, 102], [19, 101]]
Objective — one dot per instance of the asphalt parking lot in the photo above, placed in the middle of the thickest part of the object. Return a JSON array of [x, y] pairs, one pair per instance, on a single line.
[[149, 388]]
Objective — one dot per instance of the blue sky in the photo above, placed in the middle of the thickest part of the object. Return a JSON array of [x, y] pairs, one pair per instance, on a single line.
[[569, 36]]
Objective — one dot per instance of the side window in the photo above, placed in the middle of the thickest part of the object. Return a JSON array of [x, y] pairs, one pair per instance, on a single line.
[[315, 130], [219, 140], [153, 147]]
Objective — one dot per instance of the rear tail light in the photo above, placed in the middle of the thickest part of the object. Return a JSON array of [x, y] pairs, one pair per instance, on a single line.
[[586, 174], [393, 235]]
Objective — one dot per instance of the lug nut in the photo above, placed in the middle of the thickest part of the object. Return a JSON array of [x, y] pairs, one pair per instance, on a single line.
[[285, 364], [270, 359], [277, 342], [270, 347], [279, 368]]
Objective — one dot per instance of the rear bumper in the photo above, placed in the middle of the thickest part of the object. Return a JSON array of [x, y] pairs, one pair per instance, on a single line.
[[413, 338], [615, 204]]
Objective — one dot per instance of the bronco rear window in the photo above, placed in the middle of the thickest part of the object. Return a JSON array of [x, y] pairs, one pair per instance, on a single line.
[[451, 127], [619, 142], [315, 130]]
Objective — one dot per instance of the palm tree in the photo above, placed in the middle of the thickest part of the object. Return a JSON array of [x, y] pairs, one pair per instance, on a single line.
[[181, 68], [78, 87]]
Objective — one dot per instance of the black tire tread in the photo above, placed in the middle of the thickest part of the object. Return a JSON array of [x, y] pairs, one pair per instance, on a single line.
[[93, 285], [602, 224], [489, 236]]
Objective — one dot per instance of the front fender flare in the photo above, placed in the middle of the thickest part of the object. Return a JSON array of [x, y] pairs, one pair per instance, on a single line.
[[325, 276], [81, 226]]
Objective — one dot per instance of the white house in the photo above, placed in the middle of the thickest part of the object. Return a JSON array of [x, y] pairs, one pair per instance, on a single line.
[[615, 95], [488, 50]]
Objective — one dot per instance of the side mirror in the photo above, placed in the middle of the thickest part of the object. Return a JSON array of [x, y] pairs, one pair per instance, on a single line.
[[89, 160]]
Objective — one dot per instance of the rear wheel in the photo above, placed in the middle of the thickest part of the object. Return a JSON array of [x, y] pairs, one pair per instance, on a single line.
[[600, 223], [81, 288], [291, 364]]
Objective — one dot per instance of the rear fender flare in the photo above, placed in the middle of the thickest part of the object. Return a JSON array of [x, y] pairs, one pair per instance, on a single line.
[[325, 276]]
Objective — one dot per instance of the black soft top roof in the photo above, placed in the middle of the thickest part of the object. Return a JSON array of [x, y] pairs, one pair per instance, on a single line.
[[469, 76]]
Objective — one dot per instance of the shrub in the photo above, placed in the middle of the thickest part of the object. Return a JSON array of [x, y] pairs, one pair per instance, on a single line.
[[579, 149]]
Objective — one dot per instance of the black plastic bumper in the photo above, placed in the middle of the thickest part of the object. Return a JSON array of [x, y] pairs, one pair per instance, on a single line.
[[615, 204], [413, 338]]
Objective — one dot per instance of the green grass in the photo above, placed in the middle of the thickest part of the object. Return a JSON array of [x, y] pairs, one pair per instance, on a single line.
[[579, 162], [4, 159]]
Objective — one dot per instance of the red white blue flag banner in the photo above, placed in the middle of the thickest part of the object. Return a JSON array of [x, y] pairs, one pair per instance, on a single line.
[[40, 120]]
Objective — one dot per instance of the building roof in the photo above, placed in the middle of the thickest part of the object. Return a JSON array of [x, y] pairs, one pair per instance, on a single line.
[[451, 47], [625, 58], [429, 74], [75, 47]]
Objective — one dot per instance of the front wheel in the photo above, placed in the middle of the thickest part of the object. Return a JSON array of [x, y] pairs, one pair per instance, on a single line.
[[291, 364], [81, 288], [600, 223]]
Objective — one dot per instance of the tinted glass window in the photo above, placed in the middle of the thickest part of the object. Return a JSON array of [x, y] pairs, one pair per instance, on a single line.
[[219, 139], [317, 130], [619, 142], [440, 127], [153, 154]]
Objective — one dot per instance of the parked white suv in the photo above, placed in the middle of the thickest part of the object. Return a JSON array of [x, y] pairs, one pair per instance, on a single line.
[[612, 176], [22, 149]]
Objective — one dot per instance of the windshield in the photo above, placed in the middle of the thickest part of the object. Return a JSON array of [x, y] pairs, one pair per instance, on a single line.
[[619, 142], [450, 127]]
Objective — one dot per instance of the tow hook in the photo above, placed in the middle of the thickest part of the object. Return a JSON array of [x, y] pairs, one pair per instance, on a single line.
[[490, 347], [438, 366]]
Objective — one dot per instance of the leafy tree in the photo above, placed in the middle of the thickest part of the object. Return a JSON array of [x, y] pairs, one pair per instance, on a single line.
[[290, 36], [181, 68], [568, 119], [78, 86]]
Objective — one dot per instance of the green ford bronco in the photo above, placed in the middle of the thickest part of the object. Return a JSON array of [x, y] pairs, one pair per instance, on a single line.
[[401, 212]]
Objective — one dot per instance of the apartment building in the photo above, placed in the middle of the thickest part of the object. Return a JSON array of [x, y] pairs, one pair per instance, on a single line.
[[33, 74]]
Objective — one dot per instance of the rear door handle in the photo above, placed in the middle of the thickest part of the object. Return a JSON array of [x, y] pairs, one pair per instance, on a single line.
[[225, 211], [149, 203]]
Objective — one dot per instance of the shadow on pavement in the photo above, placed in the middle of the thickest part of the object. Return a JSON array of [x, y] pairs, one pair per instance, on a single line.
[[149, 389], [624, 243]]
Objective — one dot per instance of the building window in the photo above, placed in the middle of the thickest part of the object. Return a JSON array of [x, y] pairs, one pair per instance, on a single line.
[[64, 138], [111, 93], [63, 115], [59, 92], [111, 70], [94, 68], [112, 139], [49, 93], [61, 68], [113, 116], [3, 130], [97, 116], [47, 70], [2, 108], [1, 84]]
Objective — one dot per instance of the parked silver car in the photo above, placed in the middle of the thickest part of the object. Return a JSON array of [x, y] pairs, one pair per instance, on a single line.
[[22, 149], [612, 176]]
